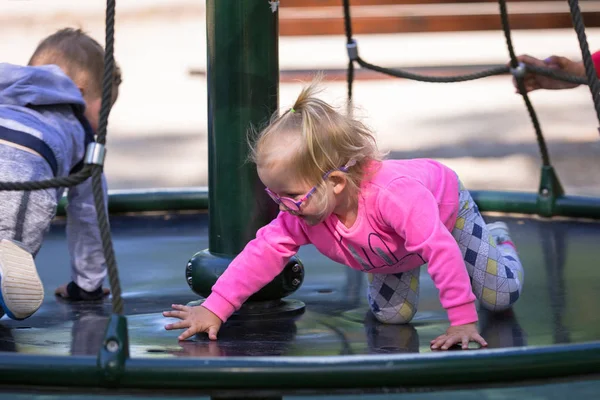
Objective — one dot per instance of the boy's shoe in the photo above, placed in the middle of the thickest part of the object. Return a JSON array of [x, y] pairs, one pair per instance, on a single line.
[[499, 230], [21, 290], [73, 293]]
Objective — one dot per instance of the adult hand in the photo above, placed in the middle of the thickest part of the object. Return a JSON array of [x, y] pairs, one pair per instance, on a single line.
[[535, 81]]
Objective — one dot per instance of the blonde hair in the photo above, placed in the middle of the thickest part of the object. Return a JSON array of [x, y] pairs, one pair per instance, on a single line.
[[79, 56], [324, 140]]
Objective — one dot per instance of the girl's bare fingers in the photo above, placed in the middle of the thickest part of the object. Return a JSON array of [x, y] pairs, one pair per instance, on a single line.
[[178, 325], [465, 342], [451, 341], [180, 307], [437, 338], [175, 314], [480, 340], [212, 332], [188, 333], [438, 342]]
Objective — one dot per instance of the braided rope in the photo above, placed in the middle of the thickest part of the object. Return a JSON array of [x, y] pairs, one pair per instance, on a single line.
[[520, 78], [67, 181], [398, 73], [107, 84]]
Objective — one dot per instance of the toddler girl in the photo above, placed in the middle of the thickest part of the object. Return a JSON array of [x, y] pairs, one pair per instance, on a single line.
[[386, 218]]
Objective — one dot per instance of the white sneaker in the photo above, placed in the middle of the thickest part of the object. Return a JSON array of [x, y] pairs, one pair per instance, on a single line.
[[21, 290], [499, 230]]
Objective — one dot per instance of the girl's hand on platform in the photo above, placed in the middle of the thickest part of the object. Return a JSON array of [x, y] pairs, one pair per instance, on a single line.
[[458, 334], [195, 319]]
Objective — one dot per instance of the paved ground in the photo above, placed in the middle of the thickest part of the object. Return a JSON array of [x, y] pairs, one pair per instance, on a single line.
[[157, 132]]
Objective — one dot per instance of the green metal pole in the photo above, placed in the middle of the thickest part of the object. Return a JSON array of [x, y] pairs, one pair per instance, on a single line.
[[243, 88], [243, 80]]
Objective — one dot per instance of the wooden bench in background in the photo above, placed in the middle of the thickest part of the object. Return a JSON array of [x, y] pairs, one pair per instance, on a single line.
[[325, 17]]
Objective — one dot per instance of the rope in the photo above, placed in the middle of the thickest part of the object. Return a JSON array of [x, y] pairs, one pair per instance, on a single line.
[[556, 74], [67, 181], [518, 69], [348, 30], [521, 85], [97, 188], [590, 70], [499, 70], [398, 73]]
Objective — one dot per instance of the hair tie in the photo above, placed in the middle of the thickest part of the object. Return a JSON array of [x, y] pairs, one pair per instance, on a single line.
[[292, 110]]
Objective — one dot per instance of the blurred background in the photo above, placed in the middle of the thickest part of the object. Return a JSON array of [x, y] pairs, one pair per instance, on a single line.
[[157, 129]]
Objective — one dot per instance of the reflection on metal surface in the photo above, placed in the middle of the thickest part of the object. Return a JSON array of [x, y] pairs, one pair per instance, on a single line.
[[562, 287]]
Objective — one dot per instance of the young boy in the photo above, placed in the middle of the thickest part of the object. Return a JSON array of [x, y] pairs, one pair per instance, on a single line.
[[49, 111]]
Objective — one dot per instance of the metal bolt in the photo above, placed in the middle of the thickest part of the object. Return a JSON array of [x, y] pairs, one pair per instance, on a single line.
[[295, 268], [189, 267], [112, 346], [189, 280], [296, 282], [352, 49], [520, 71], [545, 192]]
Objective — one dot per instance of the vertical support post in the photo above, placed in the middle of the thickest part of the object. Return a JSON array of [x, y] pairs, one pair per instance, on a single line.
[[114, 351], [243, 93], [243, 80]]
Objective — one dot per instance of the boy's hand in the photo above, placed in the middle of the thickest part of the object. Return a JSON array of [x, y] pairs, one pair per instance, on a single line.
[[457, 334], [195, 319], [535, 81]]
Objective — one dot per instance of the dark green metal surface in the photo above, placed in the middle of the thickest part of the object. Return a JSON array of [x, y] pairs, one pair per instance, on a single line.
[[553, 333], [549, 191], [115, 349], [243, 92], [510, 365], [584, 389], [152, 200]]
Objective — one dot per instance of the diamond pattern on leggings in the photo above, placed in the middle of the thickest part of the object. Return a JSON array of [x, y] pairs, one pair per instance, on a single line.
[[394, 296], [495, 270]]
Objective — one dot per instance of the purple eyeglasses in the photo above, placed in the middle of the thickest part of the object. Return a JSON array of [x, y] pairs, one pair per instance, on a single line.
[[293, 205]]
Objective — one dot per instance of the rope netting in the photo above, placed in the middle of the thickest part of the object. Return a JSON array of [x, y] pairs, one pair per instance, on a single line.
[[517, 69]]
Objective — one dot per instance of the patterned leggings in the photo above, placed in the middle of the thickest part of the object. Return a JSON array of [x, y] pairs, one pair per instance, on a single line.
[[494, 268]]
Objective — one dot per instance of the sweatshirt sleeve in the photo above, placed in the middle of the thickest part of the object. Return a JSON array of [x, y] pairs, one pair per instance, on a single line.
[[412, 211], [259, 263], [596, 60]]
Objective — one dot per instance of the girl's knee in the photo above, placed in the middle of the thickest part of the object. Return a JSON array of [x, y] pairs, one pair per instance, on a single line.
[[402, 315], [499, 301]]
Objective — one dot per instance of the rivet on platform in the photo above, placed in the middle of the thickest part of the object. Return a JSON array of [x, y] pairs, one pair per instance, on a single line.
[[112, 346]]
